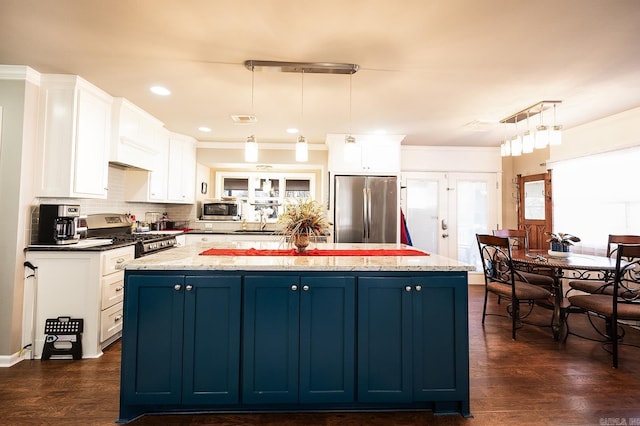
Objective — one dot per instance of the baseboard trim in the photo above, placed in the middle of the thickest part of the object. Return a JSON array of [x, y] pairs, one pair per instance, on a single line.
[[10, 360]]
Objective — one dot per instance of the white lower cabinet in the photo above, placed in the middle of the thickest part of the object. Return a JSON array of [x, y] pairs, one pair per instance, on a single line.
[[80, 284]]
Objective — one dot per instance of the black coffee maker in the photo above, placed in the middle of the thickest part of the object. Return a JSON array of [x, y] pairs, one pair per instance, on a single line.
[[58, 224]]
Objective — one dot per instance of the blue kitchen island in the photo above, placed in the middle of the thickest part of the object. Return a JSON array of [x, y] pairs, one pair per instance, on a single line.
[[229, 333]]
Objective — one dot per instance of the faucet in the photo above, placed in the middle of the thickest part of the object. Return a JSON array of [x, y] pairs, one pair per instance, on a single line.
[[263, 220]]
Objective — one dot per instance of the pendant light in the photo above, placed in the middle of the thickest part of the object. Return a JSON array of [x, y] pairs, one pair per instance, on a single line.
[[251, 150], [350, 139], [505, 147], [516, 143], [555, 133], [302, 148], [251, 145], [542, 132], [527, 139]]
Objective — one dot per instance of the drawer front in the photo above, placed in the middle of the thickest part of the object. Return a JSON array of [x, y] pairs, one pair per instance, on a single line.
[[112, 289], [111, 321], [112, 258]]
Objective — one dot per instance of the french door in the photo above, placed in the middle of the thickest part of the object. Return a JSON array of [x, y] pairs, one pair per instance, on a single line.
[[445, 211]]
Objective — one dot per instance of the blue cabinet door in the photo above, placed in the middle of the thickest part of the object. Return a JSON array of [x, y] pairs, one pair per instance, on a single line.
[[327, 339], [152, 340], [440, 338], [211, 357], [384, 339], [270, 339]]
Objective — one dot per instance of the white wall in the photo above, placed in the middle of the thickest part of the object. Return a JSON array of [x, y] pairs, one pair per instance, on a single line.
[[450, 159], [606, 134], [19, 100]]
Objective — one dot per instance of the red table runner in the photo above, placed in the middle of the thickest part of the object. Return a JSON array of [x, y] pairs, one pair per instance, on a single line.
[[312, 252]]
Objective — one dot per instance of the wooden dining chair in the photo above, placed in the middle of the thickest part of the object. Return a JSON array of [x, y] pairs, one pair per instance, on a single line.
[[597, 286], [615, 310], [502, 279], [519, 239]]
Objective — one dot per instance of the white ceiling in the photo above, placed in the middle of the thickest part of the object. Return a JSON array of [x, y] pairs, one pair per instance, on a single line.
[[429, 69]]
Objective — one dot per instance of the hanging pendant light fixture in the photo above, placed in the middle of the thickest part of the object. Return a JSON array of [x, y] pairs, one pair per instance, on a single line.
[[505, 147], [543, 135], [251, 145], [350, 139], [542, 132], [527, 139], [251, 150], [302, 148], [555, 133]]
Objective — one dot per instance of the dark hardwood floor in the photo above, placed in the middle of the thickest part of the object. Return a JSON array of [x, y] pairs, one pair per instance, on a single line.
[[531, 381]]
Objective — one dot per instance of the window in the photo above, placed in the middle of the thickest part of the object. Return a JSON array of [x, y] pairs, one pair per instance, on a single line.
[[596, 196]]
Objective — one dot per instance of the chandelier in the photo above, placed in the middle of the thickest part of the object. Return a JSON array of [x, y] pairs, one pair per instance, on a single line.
[[525, 139]]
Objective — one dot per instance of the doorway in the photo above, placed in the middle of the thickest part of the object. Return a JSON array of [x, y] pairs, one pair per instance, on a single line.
[[535, 208], [445, 211]]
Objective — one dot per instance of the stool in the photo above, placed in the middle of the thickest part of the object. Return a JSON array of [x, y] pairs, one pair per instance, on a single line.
[[63, 329]]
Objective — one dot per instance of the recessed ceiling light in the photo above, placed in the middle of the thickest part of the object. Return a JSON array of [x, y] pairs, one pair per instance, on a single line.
[[160, 90], [292, 130], [204, 129]]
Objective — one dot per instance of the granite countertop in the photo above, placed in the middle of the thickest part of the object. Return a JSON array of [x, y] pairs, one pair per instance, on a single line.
[[189, 258]]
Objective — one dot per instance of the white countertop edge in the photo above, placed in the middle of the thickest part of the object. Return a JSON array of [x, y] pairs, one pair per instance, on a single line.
[[189, 259]]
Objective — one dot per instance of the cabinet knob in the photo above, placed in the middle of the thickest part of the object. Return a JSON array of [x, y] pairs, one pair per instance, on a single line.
[[407, 288], [294, 287], [189, 287], [177, 287], [120, 260], [119, 288], [117, 318], [418, 287], [305, 287]]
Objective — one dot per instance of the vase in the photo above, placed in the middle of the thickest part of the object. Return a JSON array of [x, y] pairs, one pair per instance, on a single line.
[[301, 241], [559, 250]]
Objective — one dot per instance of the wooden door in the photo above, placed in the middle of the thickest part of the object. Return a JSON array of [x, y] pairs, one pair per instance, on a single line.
[[535, 208]]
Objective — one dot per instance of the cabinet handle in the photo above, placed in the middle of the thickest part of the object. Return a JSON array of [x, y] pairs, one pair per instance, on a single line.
[[189, 287], [418, 287], [120, 260], [294, 287], [407, 288], [119, 288], [117, 318], [305, 287], [177, 287]]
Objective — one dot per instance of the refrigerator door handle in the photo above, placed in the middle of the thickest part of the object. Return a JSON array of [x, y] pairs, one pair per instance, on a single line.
[[368, 213], [365, 216]]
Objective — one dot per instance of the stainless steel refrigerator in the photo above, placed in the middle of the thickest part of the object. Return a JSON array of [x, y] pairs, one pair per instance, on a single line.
[[366, 209]]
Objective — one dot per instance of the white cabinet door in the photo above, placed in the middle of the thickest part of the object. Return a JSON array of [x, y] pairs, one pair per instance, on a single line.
[[182, 169], [73, 137], [158, 174], [92, 145]]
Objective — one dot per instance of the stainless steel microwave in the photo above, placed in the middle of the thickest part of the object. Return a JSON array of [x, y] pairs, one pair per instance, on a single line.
[[220, 210]]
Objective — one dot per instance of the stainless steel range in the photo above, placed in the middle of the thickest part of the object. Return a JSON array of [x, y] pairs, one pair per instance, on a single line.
[[118, 228]]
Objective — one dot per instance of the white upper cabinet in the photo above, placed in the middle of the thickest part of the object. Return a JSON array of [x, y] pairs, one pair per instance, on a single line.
[[73, 136], [150, 185], [369, 154], [133, 135], [182, 169]]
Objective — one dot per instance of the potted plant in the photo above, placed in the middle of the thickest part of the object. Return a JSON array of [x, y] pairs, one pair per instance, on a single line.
[[561, 243], [303, 218]]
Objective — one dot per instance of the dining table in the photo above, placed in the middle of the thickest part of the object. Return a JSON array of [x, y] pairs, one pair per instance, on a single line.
[[574, 266]]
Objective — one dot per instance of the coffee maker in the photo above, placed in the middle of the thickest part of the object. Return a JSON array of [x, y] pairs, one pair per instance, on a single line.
[[58, 224]]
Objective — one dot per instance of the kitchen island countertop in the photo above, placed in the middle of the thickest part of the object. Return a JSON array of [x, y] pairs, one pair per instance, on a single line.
[[189, 258]]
